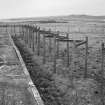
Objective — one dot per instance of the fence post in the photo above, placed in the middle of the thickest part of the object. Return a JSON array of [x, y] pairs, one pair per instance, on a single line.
[[74, 55], [14, 29], [36, 35], [54, 53], [27, 34], [23, 35], [102, 73], [38, 43], [86, 56], [57, 45], [44, 49], [50, 43], [30, 41], [68, 51], [33, 46], [11, 28], [19, 34], [6, 28], [31, 38]]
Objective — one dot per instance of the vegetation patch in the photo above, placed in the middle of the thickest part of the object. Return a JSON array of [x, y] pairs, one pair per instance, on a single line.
[[55, 89]]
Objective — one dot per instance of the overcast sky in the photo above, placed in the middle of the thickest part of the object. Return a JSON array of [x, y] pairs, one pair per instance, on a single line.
[[37, 8]]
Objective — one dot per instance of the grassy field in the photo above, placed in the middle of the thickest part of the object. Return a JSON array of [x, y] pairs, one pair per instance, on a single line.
[[79, 28], [73, 89]]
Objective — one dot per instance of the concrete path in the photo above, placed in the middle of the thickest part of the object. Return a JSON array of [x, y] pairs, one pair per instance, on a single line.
[[16, 87]]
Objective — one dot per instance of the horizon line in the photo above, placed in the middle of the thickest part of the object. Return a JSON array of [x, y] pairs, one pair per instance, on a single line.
[[27, 17]]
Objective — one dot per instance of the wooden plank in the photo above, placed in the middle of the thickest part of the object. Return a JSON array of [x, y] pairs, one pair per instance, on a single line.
[[69, 40], [81, 43], [49, 36], [47, 32], [60, 37]]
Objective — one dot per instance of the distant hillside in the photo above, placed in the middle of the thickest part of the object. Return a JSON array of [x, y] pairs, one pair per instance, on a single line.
[[58, 19], [87, 16]]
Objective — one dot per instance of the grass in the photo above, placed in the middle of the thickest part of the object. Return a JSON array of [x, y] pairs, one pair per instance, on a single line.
[[58, 89]]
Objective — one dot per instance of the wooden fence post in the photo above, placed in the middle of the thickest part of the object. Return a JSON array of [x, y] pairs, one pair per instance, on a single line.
[[44, 49], [50, 43], [74, 55], [23, 35], [38, 44], [33, 45], [86, 56], [19, 34], [102, 73], [54, 53], [6, 28], [14, 29], [27, 33], [0, 28], [11, 29], [34, 38], [57, 45], [36, 35], [68, 51], [30, 36]]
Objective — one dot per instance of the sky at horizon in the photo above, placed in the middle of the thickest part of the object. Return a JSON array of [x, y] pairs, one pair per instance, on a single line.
[[39, 8]]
